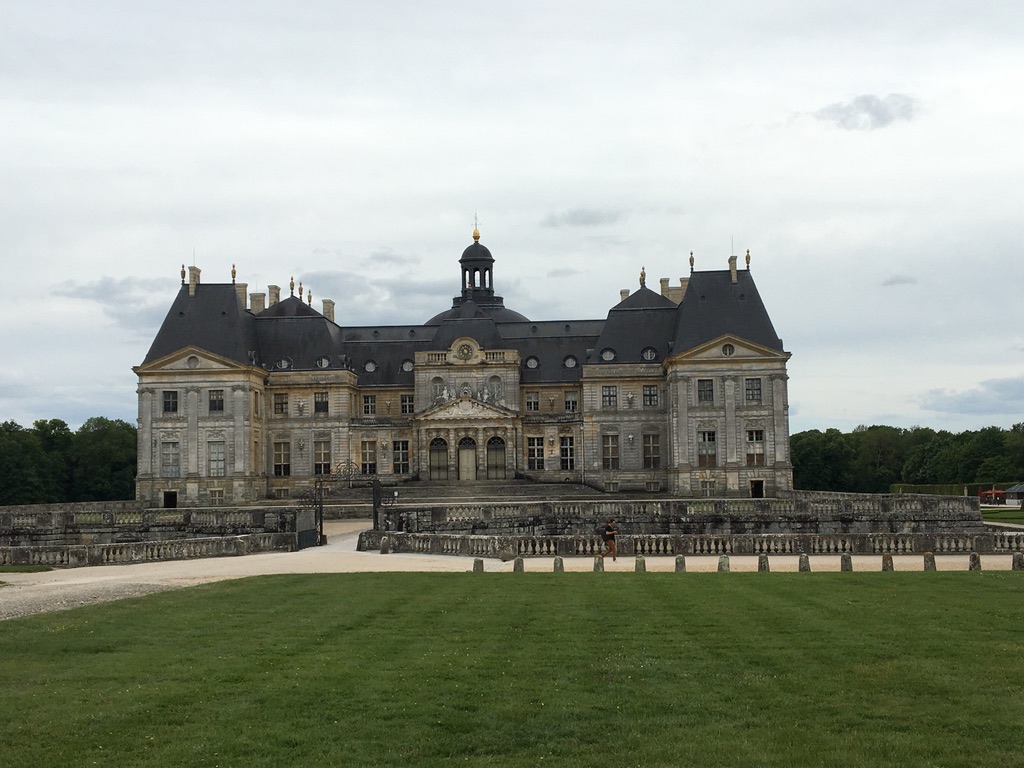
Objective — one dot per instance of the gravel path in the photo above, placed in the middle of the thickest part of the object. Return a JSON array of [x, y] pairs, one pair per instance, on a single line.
[[24, 594]]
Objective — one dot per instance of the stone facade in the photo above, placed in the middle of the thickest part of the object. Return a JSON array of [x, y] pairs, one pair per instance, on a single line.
[[682, 391]]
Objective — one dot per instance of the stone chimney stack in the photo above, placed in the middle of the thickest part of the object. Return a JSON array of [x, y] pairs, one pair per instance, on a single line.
[[275, 294], [623, 294], [242, 290], [257, 302], [732, 269], [329, 309], [193, 280], [664, 286]]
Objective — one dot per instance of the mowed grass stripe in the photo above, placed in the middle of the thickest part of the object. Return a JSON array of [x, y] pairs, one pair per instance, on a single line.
[[527, 669]]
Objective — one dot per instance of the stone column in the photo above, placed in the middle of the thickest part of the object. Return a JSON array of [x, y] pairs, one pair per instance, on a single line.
[[238, 432], [192, 432]]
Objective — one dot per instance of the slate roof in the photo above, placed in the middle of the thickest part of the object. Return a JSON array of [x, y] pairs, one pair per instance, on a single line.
[[713, 306]]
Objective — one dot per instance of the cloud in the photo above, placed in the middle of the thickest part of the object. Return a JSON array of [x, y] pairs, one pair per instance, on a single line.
[[900, 280], [995, 396], [868, 112], [584, 217], [133, 303]]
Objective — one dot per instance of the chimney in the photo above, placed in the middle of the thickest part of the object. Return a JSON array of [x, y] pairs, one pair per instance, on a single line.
[[623, 294], [193, 280], [664, 286], [732, 269], [240, 289], [275, 294], [258, 302], [329, 309]]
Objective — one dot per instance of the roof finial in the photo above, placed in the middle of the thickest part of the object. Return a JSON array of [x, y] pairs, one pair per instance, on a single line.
[[309, 298], [232, 274], [291, 285], [476, 229], [748, 259], [182, 274], [300, 290], [643, 277], [691, 261]]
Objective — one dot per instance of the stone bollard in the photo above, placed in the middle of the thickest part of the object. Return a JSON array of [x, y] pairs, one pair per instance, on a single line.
[[385, 545], [478, 565], [1018, 561], [598, 564], [846, 562], [974, 564], [762, 563], [641, 565], [559, 565], [517, 565], [723, 564], [681, 563], [887, 562], [929, 561], [805, 563]]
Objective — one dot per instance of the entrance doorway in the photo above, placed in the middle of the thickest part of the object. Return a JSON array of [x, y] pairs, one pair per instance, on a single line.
[[438, 469], [495, 459], [467, 459], [170, 499], [757, 489]]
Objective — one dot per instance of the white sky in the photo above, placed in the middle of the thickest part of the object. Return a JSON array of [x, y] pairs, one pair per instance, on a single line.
[[868, 155]]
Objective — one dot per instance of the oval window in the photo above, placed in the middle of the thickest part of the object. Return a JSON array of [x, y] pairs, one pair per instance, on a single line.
[[728, 350], [370, 366], [649, 353], [323, 362], [532, 362], [608, 354], [569, 362], [407, 365]]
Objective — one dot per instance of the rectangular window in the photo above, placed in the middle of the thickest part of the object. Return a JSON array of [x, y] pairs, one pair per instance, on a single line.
[[571, 402], [281, 404], [707, 488], [369, 405], [568, 453], [400, 457], [368, 466], [282, 459], [532, 401], [217, 497], [610, 396], [321, 457], [705, 390], [216, 401], [215, 458], [650, 395], [320, 403], [610, 451], [755, 447], [256, 399], [170, 402], [652, 451], [535, 453], [753, 390], [170, 460], [407, 405], [707, 449]]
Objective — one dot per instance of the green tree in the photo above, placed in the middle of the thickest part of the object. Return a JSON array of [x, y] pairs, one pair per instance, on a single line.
[[103, 463], [21, 465], [55, 438]]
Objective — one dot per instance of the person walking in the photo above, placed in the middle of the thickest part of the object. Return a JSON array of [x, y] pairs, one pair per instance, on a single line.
[[611, 530]]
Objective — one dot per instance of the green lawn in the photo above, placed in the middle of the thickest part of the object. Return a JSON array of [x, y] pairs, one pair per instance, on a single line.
[[1003, 514], [906, 669]]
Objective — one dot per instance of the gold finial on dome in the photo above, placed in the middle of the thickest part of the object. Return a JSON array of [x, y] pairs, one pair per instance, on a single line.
[[300, 290], [476, 229], [233, 274], [691, 261], [309, 298], [643, 277], [182, 274], [748, 259], [291, 285]]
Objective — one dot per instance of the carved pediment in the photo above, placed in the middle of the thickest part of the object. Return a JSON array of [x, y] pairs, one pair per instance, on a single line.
[[729, 348], [467, 408], [190, 359]]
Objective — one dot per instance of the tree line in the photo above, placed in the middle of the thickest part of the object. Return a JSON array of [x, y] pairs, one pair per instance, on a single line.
[[48, 463], [874, 459]]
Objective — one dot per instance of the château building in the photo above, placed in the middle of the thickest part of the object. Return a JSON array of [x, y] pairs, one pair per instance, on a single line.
[[244, 397]]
